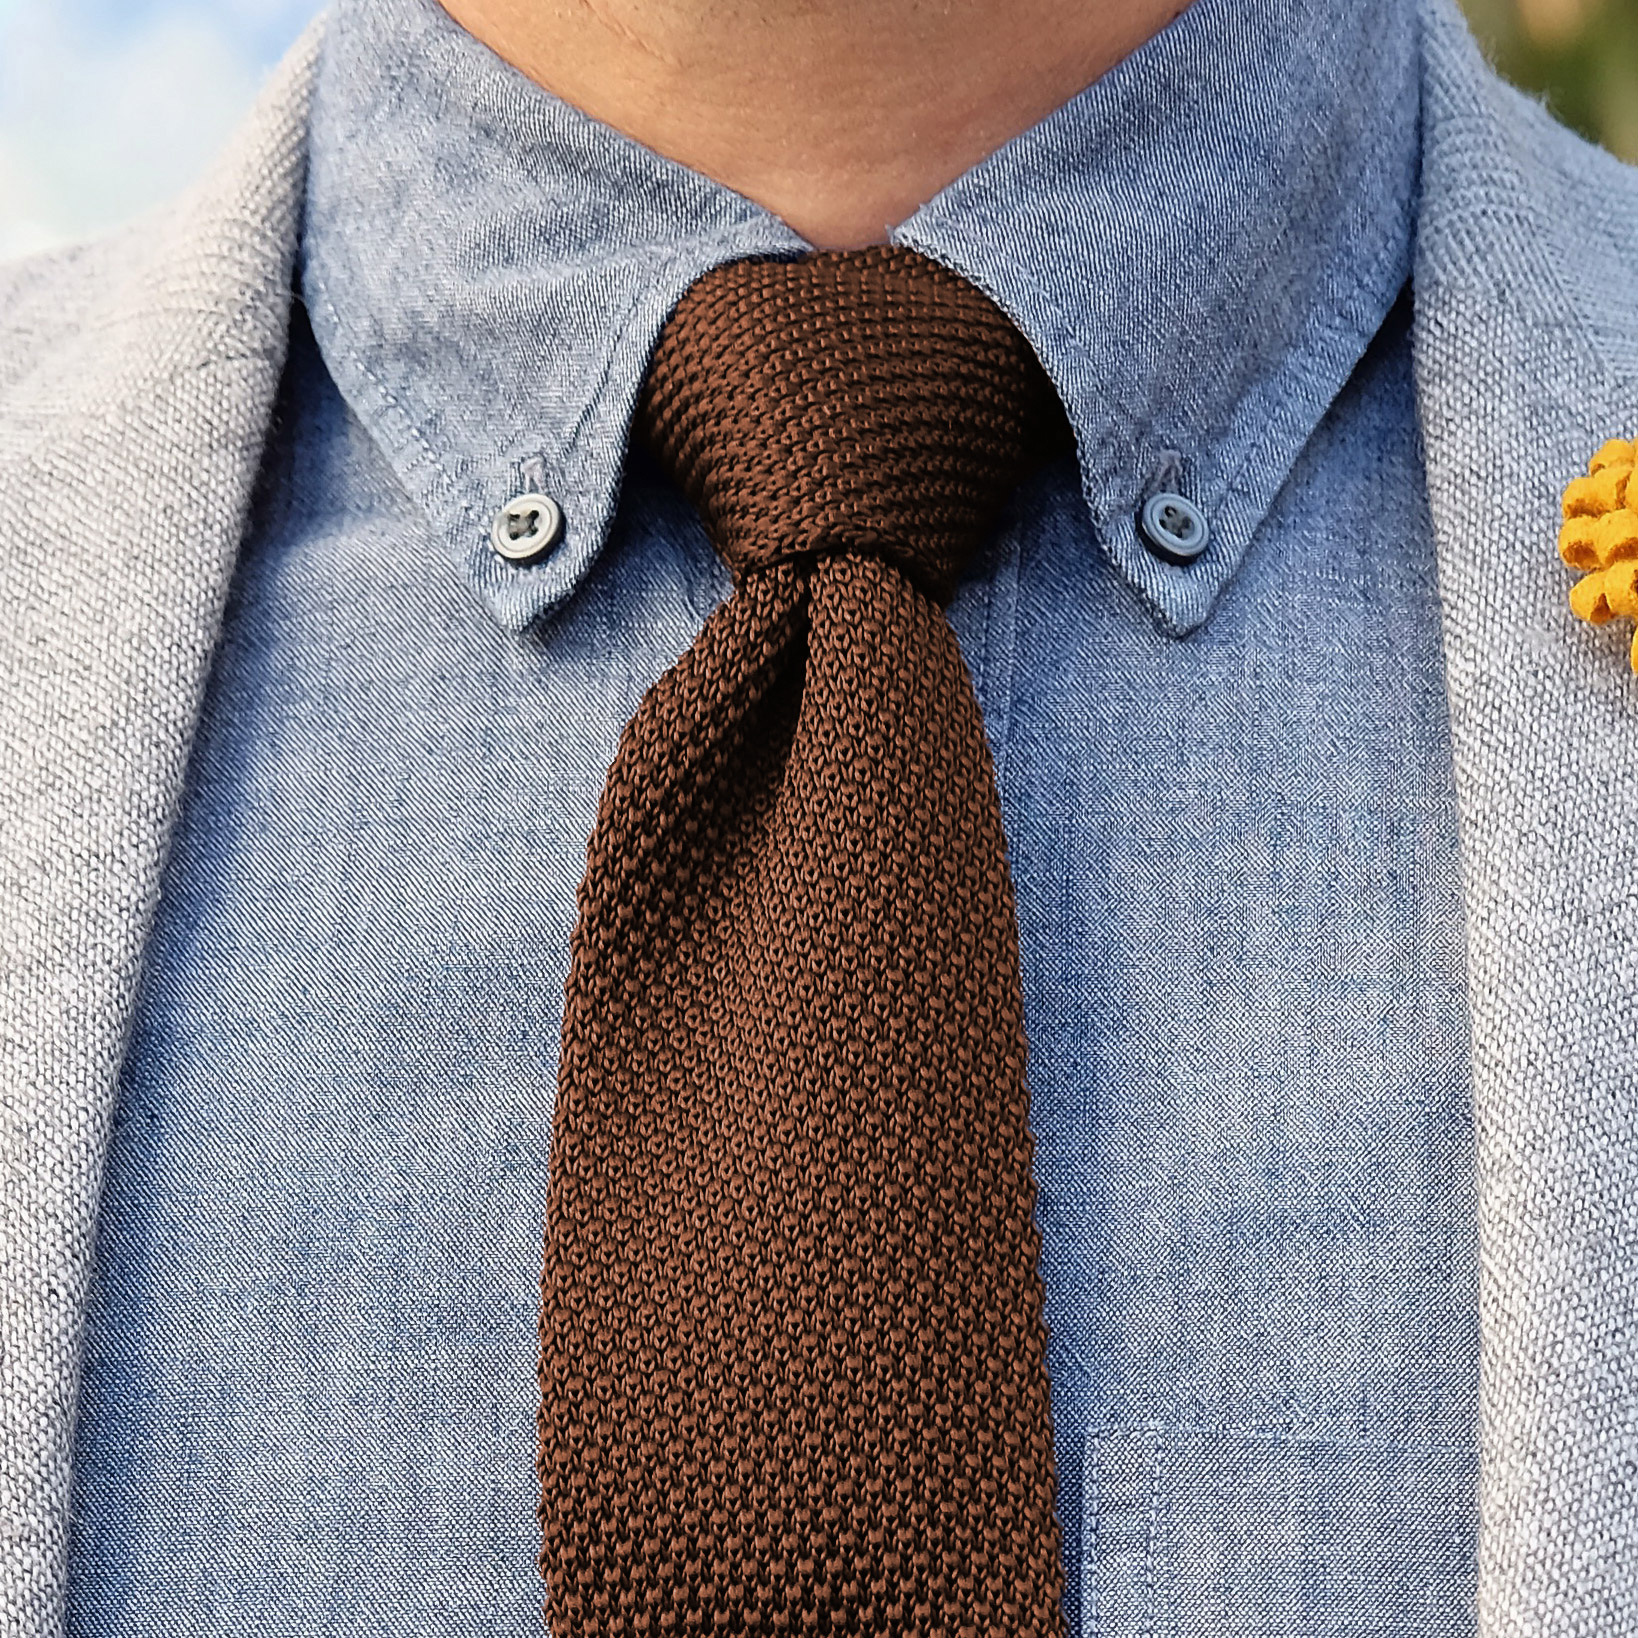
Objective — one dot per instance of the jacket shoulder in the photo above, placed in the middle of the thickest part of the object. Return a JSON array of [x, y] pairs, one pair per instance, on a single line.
[[1517, 208], [114, 327], [48, 301], [1596, 193]]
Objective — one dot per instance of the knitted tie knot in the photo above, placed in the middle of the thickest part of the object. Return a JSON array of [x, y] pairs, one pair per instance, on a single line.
[[865, 401]]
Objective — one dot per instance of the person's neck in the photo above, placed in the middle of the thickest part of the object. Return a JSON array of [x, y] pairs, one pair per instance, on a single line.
[[841, 116]]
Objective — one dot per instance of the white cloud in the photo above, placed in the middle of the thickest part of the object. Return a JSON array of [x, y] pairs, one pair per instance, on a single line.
[[97, 124]]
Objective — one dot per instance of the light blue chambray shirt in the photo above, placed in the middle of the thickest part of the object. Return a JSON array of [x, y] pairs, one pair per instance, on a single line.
[[309, 1391]]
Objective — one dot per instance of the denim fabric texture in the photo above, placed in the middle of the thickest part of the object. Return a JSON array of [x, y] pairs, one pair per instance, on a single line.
[[308, 1403]]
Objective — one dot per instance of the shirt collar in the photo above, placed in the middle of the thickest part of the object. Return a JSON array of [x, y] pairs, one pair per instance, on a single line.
[[1199, 247]]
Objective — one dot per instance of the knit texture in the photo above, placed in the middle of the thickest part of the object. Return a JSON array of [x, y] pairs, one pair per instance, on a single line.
[[792, 1359]]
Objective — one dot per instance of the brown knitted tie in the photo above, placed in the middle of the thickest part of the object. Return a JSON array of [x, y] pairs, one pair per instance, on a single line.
[[793, 1369]]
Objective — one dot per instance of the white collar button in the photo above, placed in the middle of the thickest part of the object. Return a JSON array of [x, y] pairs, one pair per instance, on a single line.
[[526, 527]]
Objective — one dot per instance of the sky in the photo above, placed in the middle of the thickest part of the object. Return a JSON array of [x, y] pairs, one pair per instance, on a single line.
[[110, 106]]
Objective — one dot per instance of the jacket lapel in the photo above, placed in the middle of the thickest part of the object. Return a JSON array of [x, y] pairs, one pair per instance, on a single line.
[[127, 457], [1527, 359]]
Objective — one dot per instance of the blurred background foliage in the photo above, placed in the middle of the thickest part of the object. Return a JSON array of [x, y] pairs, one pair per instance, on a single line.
[[1582, 55]]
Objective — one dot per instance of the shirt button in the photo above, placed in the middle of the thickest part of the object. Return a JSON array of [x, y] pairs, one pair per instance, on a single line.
[[1173, 527], [526, 527]]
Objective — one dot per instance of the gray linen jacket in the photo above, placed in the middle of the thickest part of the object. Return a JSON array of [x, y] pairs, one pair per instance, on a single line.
[[136, 381]]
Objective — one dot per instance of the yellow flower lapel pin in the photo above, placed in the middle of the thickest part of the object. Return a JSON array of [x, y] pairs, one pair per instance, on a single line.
[[1600, 536]]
